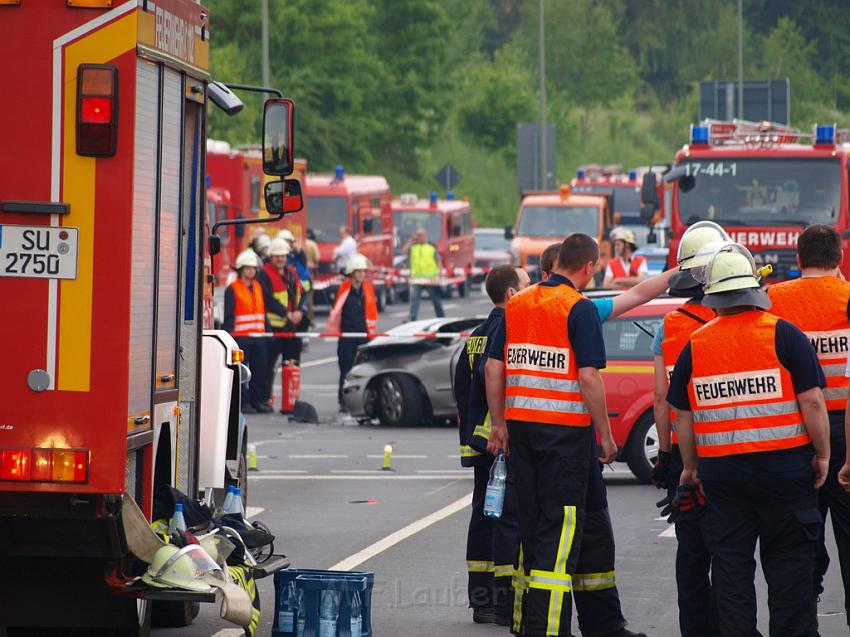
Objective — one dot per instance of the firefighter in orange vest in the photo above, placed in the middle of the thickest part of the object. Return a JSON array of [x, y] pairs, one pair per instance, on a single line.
[[625, 269], [754, 433], [819, 304], [693, 560], [244, 315], [553, 390], [355, 310]]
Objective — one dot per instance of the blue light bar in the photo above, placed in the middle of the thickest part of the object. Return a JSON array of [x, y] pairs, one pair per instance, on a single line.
[[339, 173], [824, 135], [433, 197], [450, 195], [632, 175], [580, 174], [699, 135]]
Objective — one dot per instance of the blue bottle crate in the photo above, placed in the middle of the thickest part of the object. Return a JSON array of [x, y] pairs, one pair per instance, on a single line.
[[312, 582]]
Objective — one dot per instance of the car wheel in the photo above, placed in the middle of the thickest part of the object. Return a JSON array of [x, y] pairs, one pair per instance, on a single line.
[[380, 296], [642, 448], [400, 403]]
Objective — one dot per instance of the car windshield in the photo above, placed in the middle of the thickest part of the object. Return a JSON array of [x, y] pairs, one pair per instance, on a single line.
[[626, 198], [409, 221], [625, 341], [327, 214], [558, 221], [754, 192], [491, 241]]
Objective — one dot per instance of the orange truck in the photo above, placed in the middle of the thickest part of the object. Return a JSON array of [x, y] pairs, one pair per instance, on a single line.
[[546, 217], [113, 386]]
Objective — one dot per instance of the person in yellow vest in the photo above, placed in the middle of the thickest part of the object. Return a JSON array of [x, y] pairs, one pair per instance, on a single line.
[[244, 318], [693, 559], [754, 436], [283, 296], [819, 304], [424, 273], [553, 351]]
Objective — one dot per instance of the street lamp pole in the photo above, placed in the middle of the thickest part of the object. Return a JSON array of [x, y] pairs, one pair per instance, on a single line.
[[741, 59], [265, 11], [543, 180]]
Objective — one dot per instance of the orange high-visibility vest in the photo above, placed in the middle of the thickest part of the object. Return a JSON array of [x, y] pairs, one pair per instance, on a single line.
[[618, 268], [818, 306], [370, 301], [541, 375], [742, 398], [678, 327], [250, 314]]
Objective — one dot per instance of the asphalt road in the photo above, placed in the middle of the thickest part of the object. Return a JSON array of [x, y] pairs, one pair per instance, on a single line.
[[321, 490]]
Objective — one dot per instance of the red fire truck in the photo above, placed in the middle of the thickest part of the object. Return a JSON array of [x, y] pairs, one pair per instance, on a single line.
[[362, 203], [113, 387], [449, 224], [764, 183], [235, 183]]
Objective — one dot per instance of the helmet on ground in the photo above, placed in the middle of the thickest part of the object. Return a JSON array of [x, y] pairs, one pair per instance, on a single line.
[[185, 568], [357, 262], [247, 258], [623, 234], [262, 241], [699, 243], [732, 279], [279, 248], [286, 234]]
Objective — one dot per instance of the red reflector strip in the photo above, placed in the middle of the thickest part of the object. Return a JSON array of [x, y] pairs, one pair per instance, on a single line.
[[44, 465], [96, 110]]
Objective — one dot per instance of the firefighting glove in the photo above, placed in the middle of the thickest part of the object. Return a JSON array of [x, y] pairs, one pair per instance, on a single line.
[[688, 502], [661, 470], [666, 505]]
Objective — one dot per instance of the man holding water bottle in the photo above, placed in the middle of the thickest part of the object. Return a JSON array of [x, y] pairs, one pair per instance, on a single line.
[[491, 541], [552, 392]]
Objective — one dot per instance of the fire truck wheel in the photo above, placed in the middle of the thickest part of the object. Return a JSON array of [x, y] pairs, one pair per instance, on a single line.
[[400, 401], [174, 614], [642, 448], [380, 298]]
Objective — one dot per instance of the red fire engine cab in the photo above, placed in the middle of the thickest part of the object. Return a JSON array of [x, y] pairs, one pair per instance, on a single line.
[[113, 387], [359, 202], [764, 183], [449, 224]]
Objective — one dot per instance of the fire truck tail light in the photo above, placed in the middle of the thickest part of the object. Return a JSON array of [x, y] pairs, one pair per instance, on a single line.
[[44, 465], [97, 110]]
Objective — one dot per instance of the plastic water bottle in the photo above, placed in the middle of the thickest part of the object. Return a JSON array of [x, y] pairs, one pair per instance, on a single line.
[[328, 613], [495, 496], [178, 522], [235, 507], [356, 616], [228, 500], [287, 607], [302, 614]]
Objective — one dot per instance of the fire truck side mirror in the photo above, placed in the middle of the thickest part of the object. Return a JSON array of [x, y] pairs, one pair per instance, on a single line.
[[648, 188], [215, 244], [283, 197], [278, 133]]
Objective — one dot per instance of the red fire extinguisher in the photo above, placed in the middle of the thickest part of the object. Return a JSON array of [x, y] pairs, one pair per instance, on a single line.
[[291, 386]]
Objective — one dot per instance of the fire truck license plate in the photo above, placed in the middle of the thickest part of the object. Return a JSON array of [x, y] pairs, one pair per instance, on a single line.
[[38, 252]]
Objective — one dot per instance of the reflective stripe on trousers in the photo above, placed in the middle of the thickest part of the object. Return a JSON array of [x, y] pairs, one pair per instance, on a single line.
[[594, 581], [479, 567], [520, 585]]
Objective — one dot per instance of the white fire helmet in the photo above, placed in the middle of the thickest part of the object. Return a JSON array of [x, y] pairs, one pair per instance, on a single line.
[[248, 258]]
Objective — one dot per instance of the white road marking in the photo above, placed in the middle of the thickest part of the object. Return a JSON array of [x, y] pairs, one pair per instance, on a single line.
[[250, 512], [669, 532], [320, 361], [444, 471], [398, 455], [229, 632], [317, 456], [285, 471], [392, 539], [375, 475], [455, 456], [661, 519], [320, 388], [353, 471]]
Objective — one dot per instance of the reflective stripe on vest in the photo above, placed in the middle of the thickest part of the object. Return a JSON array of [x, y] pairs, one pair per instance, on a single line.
[[423, 264], [742, 398], [818, 306], [250, 312], [541, 374], [678, 327]]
